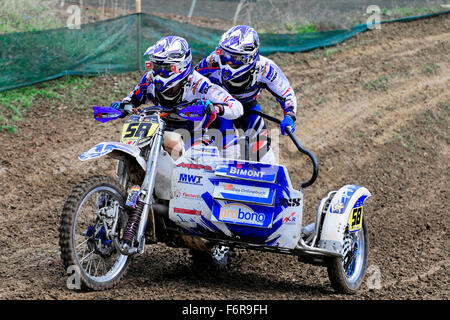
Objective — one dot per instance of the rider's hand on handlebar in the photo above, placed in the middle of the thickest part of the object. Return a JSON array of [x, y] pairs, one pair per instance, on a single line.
[[287, 123], [126, 109], [209, 108]]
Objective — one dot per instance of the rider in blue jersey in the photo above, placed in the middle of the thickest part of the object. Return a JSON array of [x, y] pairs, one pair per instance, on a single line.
[[171, 81]]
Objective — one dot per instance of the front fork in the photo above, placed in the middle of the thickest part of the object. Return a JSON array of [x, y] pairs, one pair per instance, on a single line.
[[145, 196]]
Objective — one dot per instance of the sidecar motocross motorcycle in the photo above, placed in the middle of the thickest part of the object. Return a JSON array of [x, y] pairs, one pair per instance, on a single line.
[[205, 202]]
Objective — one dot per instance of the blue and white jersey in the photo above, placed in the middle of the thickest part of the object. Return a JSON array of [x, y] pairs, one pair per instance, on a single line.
[[195, 87], [267, 75]]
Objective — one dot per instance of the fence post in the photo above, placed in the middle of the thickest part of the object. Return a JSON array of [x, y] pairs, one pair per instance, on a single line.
[[138, 31], [241, 4], [191, 10]]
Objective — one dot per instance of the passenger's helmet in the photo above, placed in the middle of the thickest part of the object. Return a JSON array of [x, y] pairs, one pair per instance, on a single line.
[[170, 62], [238, 51]]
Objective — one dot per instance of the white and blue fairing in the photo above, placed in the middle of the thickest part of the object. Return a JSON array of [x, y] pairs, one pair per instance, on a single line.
[[237, 200], [105, 148]]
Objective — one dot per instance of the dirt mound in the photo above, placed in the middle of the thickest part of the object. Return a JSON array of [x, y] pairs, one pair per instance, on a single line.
[[375, 111]]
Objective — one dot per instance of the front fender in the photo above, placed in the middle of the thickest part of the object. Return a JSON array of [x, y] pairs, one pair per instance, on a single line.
[[337, 217], [105, 148]]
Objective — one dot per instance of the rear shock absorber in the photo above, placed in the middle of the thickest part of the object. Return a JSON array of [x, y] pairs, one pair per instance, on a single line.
[[133, 222]]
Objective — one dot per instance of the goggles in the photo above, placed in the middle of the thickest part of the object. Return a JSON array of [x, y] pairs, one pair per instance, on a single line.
[[235, 59], [166, 70]]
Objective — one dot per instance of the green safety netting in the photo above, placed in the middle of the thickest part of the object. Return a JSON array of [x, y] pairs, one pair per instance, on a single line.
[[113, 46]]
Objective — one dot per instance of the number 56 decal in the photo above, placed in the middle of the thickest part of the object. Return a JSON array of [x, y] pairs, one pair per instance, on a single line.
[[355, 219]]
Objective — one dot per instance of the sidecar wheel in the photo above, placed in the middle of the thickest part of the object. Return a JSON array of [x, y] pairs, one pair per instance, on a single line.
[[347, 274]]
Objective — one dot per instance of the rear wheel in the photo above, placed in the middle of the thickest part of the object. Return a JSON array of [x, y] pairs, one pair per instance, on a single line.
[[346, 274], [218, 258], [89, 212]]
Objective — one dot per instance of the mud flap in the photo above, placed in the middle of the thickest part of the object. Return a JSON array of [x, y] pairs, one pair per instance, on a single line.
[[345, 210]]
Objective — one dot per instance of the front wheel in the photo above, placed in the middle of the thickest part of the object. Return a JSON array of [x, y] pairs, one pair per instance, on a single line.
[[346, 274], [91, 210]]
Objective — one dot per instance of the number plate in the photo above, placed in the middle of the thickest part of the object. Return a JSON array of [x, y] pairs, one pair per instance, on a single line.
[[355, 219], [138, 132]]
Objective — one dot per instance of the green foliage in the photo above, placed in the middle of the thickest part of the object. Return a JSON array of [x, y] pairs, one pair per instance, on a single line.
[[309, 28], [402, 12], [27, 15], [296, 27], [69, 90], [430, 68], [381, 84]]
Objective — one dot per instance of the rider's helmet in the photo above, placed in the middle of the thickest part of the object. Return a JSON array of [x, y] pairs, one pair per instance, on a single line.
[[170, 62], [238, 51]]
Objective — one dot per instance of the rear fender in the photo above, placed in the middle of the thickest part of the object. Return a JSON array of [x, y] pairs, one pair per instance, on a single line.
[[337, 216], [115, 150]]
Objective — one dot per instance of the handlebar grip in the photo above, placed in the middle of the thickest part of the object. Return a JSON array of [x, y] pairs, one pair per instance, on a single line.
[[210, 109]]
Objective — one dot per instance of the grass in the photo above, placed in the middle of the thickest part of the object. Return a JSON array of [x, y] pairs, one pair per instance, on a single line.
[[407, 141], [28, 15], [430, 68], [308, 28], [288, 27], [14, 104], [402, 12], [380, 84]]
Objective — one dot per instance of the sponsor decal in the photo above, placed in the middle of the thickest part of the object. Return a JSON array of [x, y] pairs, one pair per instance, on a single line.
[[290, 219], [194, 166], [342, 200], [187, 211], [190, 179], [249, 171], [185, 195], [241, 214], [338, 206], [283, 202], [133, 196], [247, 191], [246, 172]]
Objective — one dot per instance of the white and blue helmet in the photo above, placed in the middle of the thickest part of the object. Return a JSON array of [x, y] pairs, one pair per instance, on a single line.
[[238, 51], [170, 62]]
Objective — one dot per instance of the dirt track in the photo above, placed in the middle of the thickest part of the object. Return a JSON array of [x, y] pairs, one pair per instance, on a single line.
[[374, 110]]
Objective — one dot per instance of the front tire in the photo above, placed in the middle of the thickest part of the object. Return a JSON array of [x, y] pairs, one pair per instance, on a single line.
[[82, 237], [347, 274]]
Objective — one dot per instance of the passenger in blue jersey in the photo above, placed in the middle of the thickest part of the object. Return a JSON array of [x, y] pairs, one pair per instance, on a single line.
[[237, 66]]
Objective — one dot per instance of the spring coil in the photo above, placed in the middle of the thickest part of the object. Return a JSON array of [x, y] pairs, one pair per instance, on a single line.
[[133, 222]]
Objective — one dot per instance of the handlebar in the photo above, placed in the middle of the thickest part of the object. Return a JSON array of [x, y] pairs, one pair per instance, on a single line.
[[297, 144], [191, 112], [194, 112]]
